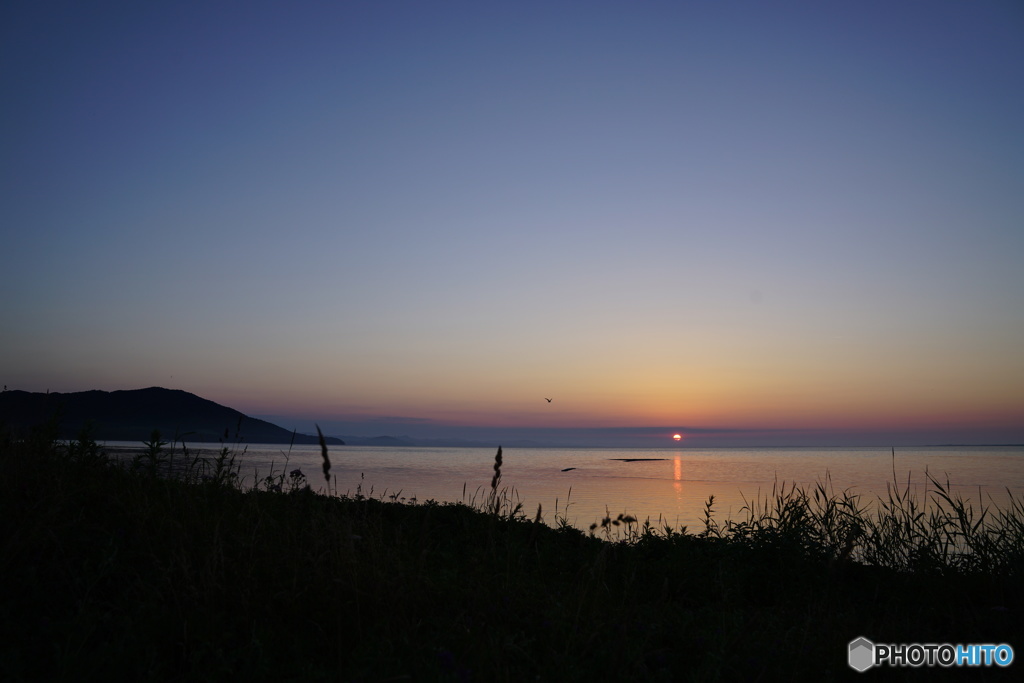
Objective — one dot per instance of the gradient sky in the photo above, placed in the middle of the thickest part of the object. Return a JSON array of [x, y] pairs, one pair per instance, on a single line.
[[796, 221]]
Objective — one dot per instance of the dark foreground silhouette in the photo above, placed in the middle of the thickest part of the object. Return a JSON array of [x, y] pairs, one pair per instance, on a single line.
[[135, 571]]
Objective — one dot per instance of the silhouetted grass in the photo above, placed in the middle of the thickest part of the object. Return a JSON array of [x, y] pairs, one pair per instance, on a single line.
[[162, 571], [940, 534]]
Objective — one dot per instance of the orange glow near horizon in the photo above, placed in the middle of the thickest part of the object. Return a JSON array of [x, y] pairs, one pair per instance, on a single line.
[[713, 399], [839, 416]]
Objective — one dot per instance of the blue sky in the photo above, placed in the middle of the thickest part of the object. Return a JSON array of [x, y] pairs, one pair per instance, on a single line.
[[804, 217]]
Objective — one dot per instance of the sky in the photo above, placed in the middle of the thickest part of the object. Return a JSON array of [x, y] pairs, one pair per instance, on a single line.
[[786, 223]]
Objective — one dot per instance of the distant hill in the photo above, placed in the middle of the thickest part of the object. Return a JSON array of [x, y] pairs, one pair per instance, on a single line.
[[390, 441], [133, 415], [402, 441]]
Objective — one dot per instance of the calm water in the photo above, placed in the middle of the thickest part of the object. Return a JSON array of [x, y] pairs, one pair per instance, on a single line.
[[673, 487]]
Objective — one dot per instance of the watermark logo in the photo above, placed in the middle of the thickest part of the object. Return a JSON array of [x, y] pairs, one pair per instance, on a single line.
[[864, 654]]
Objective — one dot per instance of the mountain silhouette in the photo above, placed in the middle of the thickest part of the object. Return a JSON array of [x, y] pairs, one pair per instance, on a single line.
[[133, 415]]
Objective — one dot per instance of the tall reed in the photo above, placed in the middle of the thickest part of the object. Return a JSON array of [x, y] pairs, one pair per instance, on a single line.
[[941, 533]]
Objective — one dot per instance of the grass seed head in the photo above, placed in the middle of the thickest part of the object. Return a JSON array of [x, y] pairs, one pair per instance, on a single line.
[[323, 452]]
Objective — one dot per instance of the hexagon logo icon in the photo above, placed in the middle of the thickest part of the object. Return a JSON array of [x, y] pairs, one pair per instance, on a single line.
[[862, 654]]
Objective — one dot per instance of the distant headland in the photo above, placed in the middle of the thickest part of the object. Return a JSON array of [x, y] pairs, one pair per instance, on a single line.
[[132, 415]]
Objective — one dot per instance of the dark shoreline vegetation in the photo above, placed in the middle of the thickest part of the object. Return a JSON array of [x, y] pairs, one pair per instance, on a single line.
[[167, 567]]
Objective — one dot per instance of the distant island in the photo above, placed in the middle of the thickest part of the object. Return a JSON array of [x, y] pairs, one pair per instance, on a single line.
[[133, 415], [409, 441], [975, 445]]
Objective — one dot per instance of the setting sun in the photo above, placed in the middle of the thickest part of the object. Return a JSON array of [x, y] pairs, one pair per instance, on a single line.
[[677, 437]]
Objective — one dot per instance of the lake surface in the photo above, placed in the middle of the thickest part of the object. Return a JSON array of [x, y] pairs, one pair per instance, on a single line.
[[667, 484]]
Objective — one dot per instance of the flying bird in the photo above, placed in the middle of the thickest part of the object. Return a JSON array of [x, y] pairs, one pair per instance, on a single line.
[[548, 400]]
